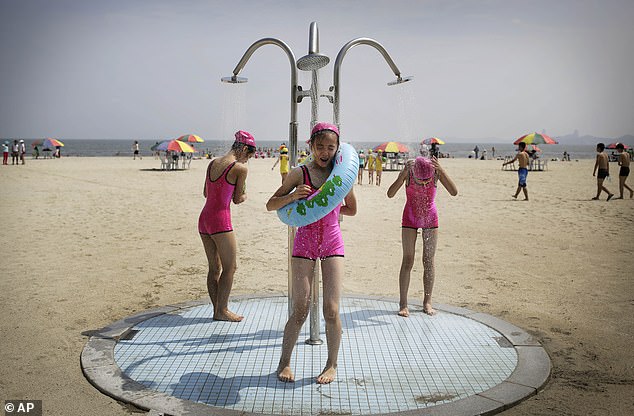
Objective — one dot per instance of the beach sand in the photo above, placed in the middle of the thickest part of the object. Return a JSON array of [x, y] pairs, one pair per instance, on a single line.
[[88, 241]]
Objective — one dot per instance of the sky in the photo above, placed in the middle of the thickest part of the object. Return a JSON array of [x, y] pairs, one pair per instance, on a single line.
[[151, 69]]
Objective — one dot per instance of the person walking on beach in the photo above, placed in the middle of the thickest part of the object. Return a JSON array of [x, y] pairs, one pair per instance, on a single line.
[[603, 165], [361, 166], [284, 163], [5, 153], [476, 150], [225, 181], [624, 171], [319, 240], [378, 166], [420, 178], [135, 150], [369, 165], [522, 173]]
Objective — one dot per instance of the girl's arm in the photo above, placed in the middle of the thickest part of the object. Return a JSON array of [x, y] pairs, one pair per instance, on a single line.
[[399, 181], [349, 206], [444, 178], [240, 191], [285, 194]]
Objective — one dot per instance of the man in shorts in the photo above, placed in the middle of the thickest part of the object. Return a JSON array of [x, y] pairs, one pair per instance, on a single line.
[[522, 159], [603, 165]]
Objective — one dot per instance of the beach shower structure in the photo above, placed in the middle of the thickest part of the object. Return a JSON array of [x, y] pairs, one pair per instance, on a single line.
[[312, 62]]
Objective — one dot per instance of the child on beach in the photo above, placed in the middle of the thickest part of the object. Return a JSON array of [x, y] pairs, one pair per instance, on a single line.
[[378, 166], [603, 165], [523, 160], [624, 171], [283, 161], [319, 240], [361, 165], [420, 178], [369, 165], [225, 181], [5, 153]]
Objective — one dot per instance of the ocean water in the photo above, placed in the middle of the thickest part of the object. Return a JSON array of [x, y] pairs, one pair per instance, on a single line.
[[123, 148]]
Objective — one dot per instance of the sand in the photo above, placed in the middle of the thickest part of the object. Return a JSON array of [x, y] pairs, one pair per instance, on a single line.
[[88, 241]]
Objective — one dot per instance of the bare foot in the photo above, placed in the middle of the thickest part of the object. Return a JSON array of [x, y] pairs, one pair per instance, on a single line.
[[619, 197], [404, 312], [514, 196], [327, 376], [596, 198], [429, 310], [610, 197], [525, 199], [228, 316], [286, 375]]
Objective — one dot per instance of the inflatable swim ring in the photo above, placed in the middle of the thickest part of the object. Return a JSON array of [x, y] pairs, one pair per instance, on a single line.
[[344, 173]]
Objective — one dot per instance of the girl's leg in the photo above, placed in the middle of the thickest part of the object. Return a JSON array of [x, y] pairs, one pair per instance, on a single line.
[[332, 272], [408, 238], [303, 270], [226, 248], [430, 238], [213, 274]]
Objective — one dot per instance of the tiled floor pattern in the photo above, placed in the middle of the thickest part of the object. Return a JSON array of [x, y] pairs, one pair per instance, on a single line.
[[386, 363]]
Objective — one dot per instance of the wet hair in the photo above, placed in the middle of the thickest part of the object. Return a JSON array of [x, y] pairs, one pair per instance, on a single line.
[[601, 146], [619, 146], [237, 147]]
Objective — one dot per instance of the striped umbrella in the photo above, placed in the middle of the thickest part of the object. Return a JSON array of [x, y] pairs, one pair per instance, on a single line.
[[190, 138], [392, 147], [535, 138], [432, 140], [175, 146]]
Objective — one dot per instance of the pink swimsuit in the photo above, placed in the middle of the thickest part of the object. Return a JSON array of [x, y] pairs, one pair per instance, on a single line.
[[320, 239], [216, 215], [420, 207]]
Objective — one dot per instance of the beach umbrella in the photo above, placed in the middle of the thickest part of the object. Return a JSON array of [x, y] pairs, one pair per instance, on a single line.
[[175, 146], [190, 138], [535, 138], [392, 147], [432, 140], [613, 146], [533, 147], [47, 143]]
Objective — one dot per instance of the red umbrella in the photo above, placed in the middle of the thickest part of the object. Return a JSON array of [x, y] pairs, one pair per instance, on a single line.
[[613, 146], [535, 138]]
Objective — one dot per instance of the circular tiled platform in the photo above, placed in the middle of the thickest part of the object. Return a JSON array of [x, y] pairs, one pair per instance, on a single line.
[[177, 360]]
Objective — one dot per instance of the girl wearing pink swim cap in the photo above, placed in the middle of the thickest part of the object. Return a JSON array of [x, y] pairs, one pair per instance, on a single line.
[[420, 178], [225, 181], [319, 240]]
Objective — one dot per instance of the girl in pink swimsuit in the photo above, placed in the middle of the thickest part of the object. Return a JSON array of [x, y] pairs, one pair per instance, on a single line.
[[319, 240], [224, 182], [420, 178]]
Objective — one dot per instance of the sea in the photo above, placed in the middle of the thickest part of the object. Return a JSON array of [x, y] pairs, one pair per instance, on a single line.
[[123, 148]]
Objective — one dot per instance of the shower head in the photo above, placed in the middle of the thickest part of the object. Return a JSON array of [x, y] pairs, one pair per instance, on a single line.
[[400, 80], [312, 62], [234, 79]]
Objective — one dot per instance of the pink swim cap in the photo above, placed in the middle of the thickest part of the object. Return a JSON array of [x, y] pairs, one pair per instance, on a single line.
[[324, 126], [245, 137], [423, 168]]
